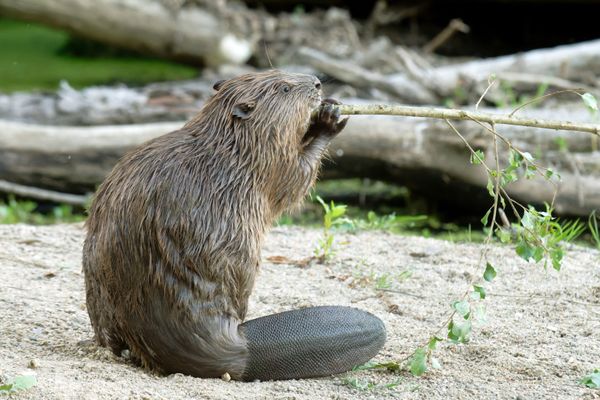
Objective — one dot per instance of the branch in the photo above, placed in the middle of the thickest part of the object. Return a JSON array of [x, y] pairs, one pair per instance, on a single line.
[[443, 113], [43, 194]]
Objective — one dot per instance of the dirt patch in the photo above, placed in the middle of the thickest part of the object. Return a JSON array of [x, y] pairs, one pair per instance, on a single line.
[[542, 332]]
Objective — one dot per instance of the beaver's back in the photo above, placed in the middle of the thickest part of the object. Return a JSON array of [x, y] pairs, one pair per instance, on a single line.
[[169, 222]]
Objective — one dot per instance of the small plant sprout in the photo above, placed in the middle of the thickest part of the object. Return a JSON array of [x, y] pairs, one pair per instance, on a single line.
[[593, 227], [333, 216]]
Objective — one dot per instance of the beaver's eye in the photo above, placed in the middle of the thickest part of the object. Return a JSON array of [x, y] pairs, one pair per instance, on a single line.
[[285, 88]]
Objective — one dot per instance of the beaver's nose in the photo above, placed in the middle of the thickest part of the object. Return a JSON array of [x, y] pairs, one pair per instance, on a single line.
[[318, 84]]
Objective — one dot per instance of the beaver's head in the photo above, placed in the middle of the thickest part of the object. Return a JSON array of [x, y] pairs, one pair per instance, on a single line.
[[271, 103]]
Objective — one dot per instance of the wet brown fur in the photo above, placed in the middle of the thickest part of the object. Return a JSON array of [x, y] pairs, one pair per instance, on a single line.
[[175, 231]]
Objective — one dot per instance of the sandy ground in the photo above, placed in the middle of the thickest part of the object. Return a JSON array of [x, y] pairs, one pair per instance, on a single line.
[[542, 332]]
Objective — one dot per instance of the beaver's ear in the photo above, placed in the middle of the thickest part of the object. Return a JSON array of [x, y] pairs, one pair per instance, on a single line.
[[218, 84], [243, 110]]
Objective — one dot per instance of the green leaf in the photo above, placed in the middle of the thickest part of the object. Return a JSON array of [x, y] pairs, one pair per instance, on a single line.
[[490, 272], [592, 380], [480, 290], [556, 255], [549, 173], [337, 211], [508, 177], [530, 172], [503, 235], [459, 332], [515, 158], [527, 156], [432, 344], [525, 251], [490, 187], [538, 253], [451, 334], [590, 101], [418, 364], [528, 220], [484, 220], [479, 314], [461, 307], [477, 157]]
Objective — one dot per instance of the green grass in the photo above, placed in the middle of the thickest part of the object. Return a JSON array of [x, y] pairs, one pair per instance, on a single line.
[[32, 58], [14, 211]]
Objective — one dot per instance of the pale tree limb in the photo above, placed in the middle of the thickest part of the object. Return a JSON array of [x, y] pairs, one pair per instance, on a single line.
[[43, 194], [443, 113], [574, 62], [402, 87]]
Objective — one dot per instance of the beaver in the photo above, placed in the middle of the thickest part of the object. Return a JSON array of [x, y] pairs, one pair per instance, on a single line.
[[174, 235]]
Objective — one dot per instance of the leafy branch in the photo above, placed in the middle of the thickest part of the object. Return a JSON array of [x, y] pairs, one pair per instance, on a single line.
[[538, 234]]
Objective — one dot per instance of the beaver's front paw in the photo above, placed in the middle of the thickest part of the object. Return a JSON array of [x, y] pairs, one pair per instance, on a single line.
[[326, 120]]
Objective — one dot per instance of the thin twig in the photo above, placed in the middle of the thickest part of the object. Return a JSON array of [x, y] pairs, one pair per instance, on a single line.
[[491, 81], [456, 25], [536, 99]]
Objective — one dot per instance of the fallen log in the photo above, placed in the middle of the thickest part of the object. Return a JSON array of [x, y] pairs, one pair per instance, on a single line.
[[196, 35], [68, 159], [568, 66], [402, 150]]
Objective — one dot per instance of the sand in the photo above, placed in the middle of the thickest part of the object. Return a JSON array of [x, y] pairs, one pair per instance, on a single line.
[[542, 333]]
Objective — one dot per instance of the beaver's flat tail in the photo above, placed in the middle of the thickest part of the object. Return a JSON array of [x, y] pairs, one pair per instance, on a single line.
[[311, 342]]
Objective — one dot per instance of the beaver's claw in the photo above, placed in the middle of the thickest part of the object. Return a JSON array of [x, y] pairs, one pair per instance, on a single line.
[[326, 121]]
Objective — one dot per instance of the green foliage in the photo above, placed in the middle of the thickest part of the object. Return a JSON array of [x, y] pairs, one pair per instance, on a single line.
[[593, 227], [592, 380], [418, 364], [24, 211], [422, 357], [26, 47], [477, 157], [489, 274], [459, 332], [540, 236], [479, 292], [19, 383], [333, 215]]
